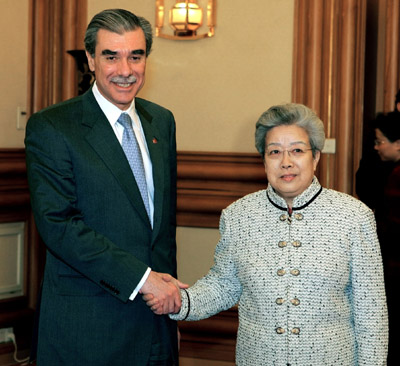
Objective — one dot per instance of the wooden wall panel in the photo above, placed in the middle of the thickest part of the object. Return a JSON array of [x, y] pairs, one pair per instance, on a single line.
[[14, 195], [209, 182], [18, 312], [213, 338]]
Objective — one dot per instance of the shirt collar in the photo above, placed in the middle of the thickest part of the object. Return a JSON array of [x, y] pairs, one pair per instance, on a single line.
[[111, 111]]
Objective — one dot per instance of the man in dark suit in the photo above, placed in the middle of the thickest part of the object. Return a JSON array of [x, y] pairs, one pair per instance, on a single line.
[[108, 239]]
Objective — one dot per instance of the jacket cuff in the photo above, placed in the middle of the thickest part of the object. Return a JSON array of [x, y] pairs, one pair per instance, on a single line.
[[185, 308]]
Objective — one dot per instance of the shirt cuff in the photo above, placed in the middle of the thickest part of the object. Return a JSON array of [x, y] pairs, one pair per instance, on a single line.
[[140, 284]]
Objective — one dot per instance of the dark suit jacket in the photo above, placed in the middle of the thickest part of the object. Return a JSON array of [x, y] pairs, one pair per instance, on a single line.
[[90, 214]]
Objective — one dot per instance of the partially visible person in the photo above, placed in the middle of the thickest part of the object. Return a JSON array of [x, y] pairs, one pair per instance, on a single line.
[[102, 179], [387, 144], [372, 173], [302, 261], [397, 102]]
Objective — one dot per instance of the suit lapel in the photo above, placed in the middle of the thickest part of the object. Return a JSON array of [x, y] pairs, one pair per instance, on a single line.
[[155, 146], [102, 139]]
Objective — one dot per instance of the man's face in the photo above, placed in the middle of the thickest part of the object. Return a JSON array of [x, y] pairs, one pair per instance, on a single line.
[[119, 64]]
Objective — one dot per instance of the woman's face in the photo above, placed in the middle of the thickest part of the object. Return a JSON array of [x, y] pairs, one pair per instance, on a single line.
[[288, 161], [387, 150]]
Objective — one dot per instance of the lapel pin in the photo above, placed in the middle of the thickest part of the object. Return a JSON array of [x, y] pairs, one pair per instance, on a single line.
[[154, 140]]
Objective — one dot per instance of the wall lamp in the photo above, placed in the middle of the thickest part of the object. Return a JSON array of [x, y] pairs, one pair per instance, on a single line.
[[185, 18]]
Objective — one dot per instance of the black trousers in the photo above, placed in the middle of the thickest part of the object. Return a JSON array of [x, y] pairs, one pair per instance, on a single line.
[[161, 349]]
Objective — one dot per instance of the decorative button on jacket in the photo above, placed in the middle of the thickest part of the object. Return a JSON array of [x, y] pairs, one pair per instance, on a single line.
[[319, 301]]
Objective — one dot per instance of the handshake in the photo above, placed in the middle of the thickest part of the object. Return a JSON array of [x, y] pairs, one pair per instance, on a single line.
[[161, 292]]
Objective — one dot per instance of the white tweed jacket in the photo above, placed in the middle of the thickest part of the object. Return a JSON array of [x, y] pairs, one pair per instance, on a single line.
[[310, 287]]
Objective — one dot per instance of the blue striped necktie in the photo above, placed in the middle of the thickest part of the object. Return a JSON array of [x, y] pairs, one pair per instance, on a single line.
[[134, 156]]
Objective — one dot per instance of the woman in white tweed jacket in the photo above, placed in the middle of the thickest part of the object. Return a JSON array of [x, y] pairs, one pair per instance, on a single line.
[[302, 261]]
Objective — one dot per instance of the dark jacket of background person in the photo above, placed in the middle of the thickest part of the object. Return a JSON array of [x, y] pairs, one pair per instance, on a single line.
[[387, 146], [372, 173], [388, 221]]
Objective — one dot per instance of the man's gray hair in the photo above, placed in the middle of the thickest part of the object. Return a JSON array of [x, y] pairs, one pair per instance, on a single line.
[[117, 21]]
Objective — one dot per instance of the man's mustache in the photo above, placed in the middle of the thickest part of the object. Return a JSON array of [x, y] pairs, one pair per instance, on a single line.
[[124, 80]]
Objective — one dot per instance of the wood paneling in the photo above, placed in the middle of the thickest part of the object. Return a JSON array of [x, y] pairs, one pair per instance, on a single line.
[[18, 312], [213, 338], [14, 196], [209, 182]]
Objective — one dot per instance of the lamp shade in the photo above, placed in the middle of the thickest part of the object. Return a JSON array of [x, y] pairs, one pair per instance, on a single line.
[[185, 18]]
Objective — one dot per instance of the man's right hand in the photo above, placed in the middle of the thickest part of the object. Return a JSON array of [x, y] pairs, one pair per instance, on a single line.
[[161, 292]]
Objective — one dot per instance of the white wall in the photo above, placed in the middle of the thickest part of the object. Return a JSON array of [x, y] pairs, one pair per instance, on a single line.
[[13, 69]]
